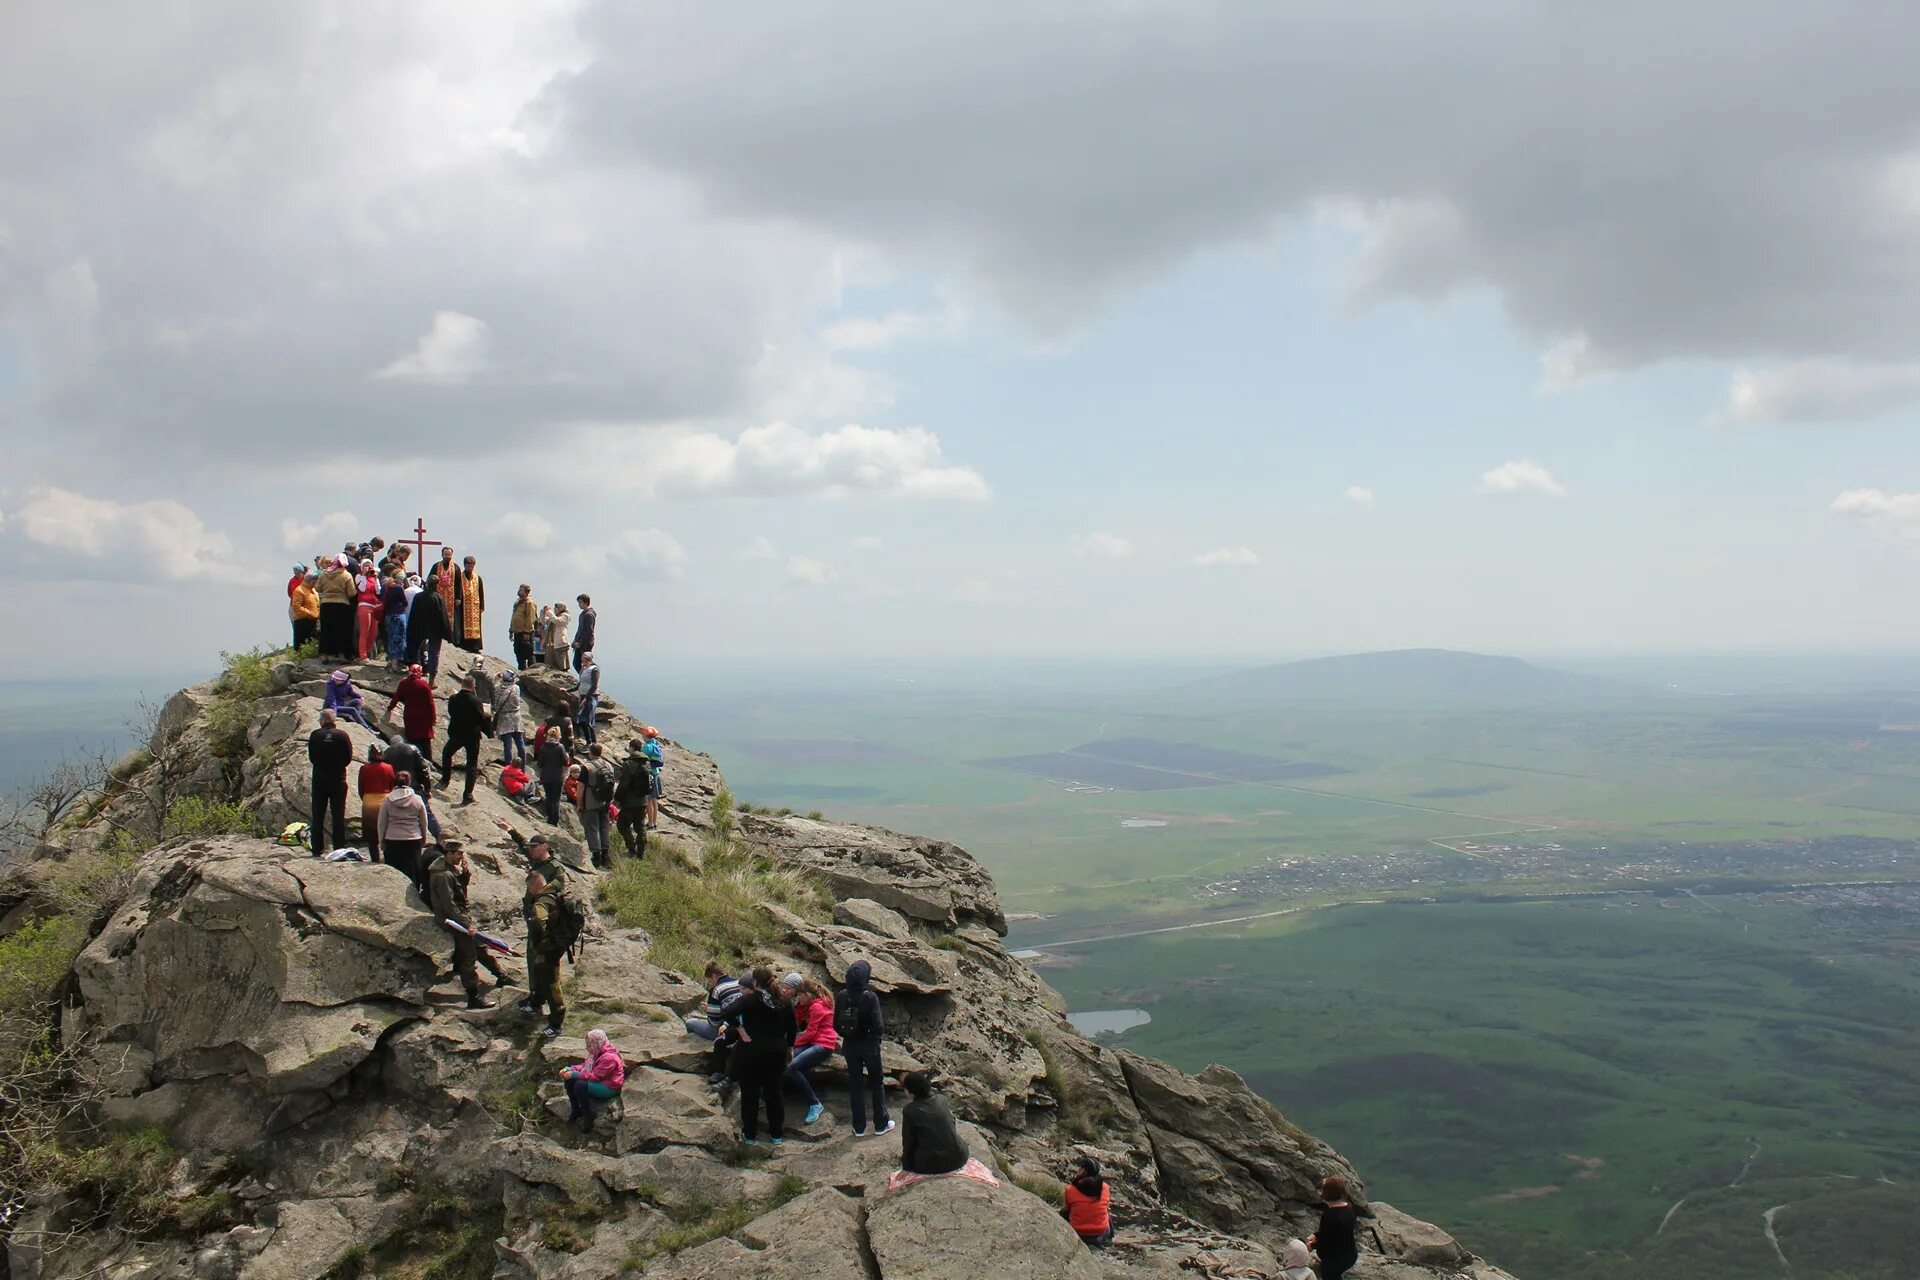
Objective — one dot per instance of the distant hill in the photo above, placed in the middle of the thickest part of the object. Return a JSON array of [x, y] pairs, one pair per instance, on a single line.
[[1405, 676]]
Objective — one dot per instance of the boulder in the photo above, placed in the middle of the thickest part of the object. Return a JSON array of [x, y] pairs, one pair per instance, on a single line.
[[901, 966], [927, 880], [865, 913], [959, 1229], [1408, 1239], [816, 1235], [664, 1108]]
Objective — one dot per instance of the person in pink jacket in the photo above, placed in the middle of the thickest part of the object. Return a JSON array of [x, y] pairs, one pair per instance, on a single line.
[[600, 1076], [813, 1004]]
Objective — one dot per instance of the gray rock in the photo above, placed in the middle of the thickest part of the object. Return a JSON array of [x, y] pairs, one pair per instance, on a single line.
[[959, 1229]]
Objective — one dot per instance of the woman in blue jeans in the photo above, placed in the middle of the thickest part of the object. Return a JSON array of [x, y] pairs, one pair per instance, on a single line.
[[813, 1008]]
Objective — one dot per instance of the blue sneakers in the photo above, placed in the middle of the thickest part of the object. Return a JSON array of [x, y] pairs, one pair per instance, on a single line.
[[814, 1113]]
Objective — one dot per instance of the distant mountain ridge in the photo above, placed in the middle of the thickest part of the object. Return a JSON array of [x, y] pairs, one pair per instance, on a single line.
[[1406, 676]]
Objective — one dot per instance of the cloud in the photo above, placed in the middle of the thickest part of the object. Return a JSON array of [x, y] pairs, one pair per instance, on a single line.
[[1521, 476], [526, 532], [760, 548], [870, 333], [1104, 546], [865, 542], [1534, 153], [972, 591], [780, 460], [453, 350], [1227, 558], [1818, 391], [99, 538], [328, 533], [1894, 514], [646, 555], [808, 570], [1359, 495]]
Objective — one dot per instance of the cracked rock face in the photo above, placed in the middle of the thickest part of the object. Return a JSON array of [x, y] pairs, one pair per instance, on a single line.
[[299, 1017]]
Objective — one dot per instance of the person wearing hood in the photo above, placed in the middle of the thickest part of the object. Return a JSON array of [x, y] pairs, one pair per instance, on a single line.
[[1297, 1260], [768, 1028], [930, 1143], [1088, 1204], [597, 1078], [506, 719], [857, 1017], [427, 629], [344, 700], [415, 696]]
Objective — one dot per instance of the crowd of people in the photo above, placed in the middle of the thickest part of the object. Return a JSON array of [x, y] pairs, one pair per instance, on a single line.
[[768, 1033], [369, 600]]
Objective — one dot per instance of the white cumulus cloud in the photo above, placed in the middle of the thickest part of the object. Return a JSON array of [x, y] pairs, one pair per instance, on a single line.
[[1896, 514], [325, 534], [1521, 476], [810, 571], [782, 460], [1359, 495], [104, 539], [1106, 546], [760, 548], [527, 532], [451, 351], [1818, 391], [1228, 558], [646, 555]]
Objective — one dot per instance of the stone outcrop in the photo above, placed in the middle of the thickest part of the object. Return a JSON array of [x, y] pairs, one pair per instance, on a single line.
[[292, 1025]]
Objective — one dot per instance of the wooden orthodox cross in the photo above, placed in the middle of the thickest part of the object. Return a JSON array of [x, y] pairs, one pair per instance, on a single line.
[[419, 542]]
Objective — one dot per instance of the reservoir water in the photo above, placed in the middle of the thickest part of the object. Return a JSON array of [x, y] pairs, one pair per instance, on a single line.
[[1097, 1021]]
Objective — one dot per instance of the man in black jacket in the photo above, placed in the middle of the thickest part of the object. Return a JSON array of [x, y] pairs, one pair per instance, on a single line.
[[330, 751], [857, 1017], [929, 1141], [584, 628], [467, 724], [427, 627], [552, 763]]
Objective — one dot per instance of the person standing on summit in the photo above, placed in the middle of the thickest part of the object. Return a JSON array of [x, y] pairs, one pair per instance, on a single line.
[[426, 630], [584, 630], [467, 724], [521, 627], [330, 751], [469, 606]]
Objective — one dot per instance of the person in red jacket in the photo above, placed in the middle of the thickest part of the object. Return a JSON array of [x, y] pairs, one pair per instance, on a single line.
[[813, 1006], [415, 697], [1088, 1204]]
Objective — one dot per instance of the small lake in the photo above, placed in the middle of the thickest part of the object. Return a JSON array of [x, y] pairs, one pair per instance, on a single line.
[[1141, 822], [1101, 1021]]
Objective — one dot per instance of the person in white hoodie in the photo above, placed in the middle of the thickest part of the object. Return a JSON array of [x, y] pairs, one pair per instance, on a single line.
[[1297, 1261]]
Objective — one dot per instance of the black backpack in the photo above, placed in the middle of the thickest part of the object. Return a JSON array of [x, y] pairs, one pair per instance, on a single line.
[[853, 1013], [569, 922]]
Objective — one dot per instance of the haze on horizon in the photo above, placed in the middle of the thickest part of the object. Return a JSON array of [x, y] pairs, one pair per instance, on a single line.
[[1086, 333]]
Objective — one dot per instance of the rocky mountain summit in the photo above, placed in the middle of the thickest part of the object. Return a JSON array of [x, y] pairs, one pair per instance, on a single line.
[[279, 1039]]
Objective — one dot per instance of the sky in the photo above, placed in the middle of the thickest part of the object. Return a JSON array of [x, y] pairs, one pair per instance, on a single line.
[[1075, 331]]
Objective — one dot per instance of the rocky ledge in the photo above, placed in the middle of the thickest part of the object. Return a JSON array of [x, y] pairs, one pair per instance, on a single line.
[[292, 1027]]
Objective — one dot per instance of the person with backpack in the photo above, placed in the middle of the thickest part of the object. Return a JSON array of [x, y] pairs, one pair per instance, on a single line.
[[553, 927], [930, 1142], [631, 793], [1334, 1241], [447, 878], [767, 1031], [1088, 1206], [596, 793], [813, 1005], [857, 1017], [656, 759]]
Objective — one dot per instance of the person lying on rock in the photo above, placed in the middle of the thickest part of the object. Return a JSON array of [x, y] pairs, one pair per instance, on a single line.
[[1088, 1204], [600, 1076], [930, 1143]]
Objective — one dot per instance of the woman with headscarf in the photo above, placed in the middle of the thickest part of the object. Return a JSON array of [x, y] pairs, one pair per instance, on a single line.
[[1297, 1261], [366, 598], [599, 1077], [336, 592], [344, 700], [393, 608], [765, 1018], [506, 718]]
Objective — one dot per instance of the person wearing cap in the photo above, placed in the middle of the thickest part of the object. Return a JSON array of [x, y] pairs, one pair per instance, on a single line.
[[537, 851], [447, 878], [813, 1007], [329, 751], [304, 605], [542, 910], [930, 1143], [656, 758], [415, 696]]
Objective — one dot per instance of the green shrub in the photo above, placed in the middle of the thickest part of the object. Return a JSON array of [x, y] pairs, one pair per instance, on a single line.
[[442, 1236], [700, 1221], [706, 906], [1046, 1188], [197, 816], [34, 960], [816, 815]]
